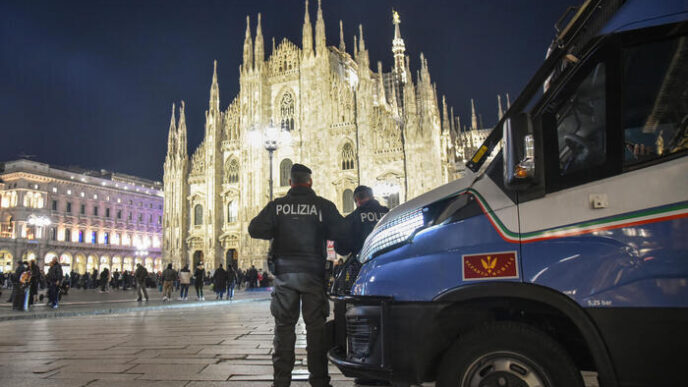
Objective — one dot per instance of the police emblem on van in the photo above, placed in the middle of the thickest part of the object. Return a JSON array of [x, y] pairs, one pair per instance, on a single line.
[[499, 265]]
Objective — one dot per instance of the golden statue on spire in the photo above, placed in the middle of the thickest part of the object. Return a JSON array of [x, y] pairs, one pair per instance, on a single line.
[[395, 17]]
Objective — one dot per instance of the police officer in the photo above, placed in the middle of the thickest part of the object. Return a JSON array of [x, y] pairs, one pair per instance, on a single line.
[[299, 225], [358, 225], [361, 222]]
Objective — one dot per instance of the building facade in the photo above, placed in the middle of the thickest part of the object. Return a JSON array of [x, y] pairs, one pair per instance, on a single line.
[[88, 219], [351, 124]]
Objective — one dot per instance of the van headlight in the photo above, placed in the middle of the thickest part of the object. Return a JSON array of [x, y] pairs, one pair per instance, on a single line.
[[392, 234]]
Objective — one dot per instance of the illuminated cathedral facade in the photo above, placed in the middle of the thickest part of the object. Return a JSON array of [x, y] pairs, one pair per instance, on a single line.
[[350, 122]]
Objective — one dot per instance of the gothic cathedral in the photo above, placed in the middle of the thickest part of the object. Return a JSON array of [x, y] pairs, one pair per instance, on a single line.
[[350, 124]]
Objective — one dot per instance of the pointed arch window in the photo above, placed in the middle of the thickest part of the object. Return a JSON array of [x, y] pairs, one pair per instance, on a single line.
[[232, 211], [232, 172], [285, 172], [347, 201], [348, 159], [198, 215], [287, 111]]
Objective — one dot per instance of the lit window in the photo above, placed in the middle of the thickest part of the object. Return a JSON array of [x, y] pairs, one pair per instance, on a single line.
[[285, 172], [232, 212], [69, 192], [348, 156], [54, 190], [95, 197], [82, 194], [232, 172], [198, 215]]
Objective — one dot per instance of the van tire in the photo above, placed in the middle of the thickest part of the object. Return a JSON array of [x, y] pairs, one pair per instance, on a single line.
[[509, 351]]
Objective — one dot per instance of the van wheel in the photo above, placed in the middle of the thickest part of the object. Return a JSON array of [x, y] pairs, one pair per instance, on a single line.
[[507, 354]]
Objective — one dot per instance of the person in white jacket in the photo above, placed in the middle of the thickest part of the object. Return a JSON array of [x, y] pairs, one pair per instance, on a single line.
[[184, 282]]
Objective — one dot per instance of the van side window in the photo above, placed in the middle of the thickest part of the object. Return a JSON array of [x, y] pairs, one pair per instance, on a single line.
[[581, 125], [655, 100]]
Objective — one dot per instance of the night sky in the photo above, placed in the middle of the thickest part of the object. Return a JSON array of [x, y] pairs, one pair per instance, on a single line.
[[91, 83]]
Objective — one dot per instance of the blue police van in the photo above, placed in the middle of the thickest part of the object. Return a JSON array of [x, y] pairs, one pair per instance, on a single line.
[[565, 247]]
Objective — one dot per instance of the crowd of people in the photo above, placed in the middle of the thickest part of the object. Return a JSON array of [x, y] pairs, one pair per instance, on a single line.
[[27, 280]]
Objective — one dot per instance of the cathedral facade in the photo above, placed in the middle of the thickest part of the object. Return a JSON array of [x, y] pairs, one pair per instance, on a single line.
[[350, 122]]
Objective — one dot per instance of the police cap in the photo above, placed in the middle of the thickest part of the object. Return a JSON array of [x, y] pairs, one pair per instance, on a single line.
[[300, 168]]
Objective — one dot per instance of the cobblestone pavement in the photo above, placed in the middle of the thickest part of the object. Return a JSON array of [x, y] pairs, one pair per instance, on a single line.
[[202, 346]]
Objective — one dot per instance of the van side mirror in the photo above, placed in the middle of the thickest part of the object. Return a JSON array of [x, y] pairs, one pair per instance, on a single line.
[[519, 152]]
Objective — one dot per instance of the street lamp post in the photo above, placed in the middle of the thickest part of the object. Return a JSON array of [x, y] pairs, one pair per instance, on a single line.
[[272, 137], [271, 147]]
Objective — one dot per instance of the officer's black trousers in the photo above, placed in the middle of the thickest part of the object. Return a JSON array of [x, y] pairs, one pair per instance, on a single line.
[[308, 290]]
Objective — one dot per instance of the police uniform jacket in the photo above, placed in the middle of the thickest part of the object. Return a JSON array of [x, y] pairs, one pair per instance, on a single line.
[[359, 224], [299, 225]]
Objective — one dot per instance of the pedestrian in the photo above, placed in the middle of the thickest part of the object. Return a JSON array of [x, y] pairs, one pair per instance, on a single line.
[[21, 279], [199, 277], [104, 280], [252, 277], [231, 281], [184, 282], [115, 279], [220, 282], [168, 278], [54, 279], [94, 279], [140, 275], [299, 225], [35, 279]]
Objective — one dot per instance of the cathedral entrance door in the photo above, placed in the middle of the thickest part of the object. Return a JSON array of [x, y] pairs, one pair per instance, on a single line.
[[197, 257], [231, 258]]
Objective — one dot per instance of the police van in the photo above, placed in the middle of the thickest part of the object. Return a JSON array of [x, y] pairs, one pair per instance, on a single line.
[[565, 248]]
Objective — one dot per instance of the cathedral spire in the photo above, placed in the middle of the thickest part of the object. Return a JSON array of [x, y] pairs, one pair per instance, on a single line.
[[383, 97], [181, 133], [474, 117], [445, 115], [214, 103], [307, 36], [342, 45], [248, 46], [355, 47], [171, 140], [361, 42], [320, 40], [508, 102], [500, 111], [398, 49], [259, 50], [362, 57]]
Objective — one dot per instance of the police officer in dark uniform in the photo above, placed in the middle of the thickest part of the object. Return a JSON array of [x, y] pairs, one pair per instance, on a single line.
[[299, 225], [360, 223]]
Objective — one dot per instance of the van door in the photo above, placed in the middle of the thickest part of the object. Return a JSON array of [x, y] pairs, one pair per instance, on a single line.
[[612, 229]]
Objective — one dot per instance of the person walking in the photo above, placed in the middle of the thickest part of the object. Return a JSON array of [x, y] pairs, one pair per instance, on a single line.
[[168, 278], [199, 277], [299, 225], [54, 279], [184, 282], [220, 282], [140, 275], [231, 281], [33, 283]]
